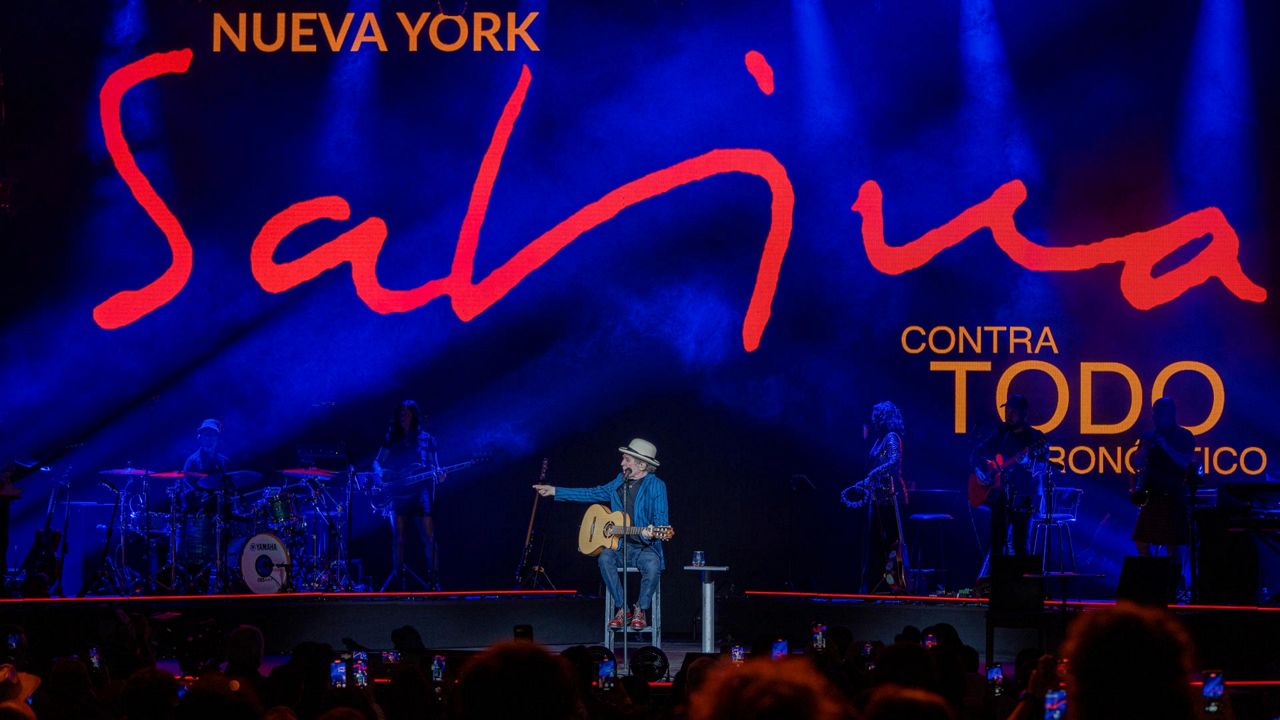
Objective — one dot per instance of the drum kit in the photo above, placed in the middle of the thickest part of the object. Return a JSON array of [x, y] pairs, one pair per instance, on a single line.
[[215, 534]]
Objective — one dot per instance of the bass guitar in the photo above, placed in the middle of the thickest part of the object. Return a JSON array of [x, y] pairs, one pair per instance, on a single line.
[[405, 482], [989, 475], [602, 530], [419, 474]]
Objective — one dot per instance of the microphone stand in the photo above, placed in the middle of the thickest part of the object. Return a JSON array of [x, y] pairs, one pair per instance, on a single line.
[[626, 567], [346, 584]]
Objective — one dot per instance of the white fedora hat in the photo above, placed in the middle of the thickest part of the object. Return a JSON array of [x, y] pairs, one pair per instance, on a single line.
[[642, 450]]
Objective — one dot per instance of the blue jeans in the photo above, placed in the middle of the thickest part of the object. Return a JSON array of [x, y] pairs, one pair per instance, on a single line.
[[645, 559]]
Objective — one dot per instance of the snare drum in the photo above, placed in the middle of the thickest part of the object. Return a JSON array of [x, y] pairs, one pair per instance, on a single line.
[[264, 562]]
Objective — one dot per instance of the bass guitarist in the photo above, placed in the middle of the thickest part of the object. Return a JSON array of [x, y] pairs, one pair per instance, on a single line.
[[642, 496], [409, 450], [1013, 492]]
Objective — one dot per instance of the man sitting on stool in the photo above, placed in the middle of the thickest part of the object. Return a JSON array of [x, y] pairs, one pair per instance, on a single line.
[[643, 496]]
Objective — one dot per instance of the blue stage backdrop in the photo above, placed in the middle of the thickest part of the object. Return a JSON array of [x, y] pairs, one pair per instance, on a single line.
[[727, 228]]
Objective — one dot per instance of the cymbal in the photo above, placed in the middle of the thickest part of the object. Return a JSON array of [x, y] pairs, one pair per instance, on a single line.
[[237, 479], [175, 474], [308, 473], [125, 471]]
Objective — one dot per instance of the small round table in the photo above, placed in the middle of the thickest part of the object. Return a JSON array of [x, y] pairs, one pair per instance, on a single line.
[[708, 603]]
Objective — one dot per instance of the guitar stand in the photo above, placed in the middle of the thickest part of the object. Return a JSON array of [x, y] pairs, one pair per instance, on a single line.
[[537, 579]]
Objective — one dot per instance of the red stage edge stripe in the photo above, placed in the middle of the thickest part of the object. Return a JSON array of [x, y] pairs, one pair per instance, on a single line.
[[859, 596], [295, 596], [1242, 683], [1049, 602]]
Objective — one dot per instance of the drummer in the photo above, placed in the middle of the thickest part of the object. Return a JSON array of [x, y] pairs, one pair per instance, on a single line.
[[205, 461]]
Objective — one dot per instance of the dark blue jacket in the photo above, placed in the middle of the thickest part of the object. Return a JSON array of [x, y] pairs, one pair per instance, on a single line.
[[650, 509]]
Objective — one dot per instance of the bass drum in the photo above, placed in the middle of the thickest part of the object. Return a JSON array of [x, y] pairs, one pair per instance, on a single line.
[[263, 560]]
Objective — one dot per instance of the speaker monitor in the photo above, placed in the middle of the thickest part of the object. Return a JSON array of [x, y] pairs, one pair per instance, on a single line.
[[1011, 588], [1146, 580]]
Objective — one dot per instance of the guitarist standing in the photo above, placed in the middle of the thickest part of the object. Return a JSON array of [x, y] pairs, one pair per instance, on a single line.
[[1011, 502], [640, 494], [408, 450]]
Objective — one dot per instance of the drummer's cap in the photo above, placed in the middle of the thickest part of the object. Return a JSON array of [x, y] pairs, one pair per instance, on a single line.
[[210, 424]]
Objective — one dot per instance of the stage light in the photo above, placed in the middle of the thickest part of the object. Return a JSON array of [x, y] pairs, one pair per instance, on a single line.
[[1216, 162], [649, 664], [998, 145], [828, 107]]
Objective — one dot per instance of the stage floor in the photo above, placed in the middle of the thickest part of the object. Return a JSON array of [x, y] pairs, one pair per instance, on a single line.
[[1239, 640]]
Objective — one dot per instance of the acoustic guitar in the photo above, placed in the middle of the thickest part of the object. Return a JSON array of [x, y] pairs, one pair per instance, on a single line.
[[989, 475], [603, 529]]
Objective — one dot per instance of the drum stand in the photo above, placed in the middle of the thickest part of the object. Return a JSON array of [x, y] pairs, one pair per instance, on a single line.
[[173, 493], [328, 573], [112, 579], [149, 584], [332, 573], [344, 536], [218, 582]]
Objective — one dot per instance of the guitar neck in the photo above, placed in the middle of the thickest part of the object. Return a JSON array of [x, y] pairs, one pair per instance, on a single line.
[[629, 530], [431, 474]]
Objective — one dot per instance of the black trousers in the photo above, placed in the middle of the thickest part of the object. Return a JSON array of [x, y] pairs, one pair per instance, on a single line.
[[882, 538], [1009, 510]]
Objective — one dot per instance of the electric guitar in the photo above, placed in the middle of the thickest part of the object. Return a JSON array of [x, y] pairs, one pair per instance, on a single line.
[[989, 475], [43, 563], [603, 529]]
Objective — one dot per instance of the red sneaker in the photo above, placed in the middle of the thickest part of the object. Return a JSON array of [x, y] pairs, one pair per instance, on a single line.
[[638, 620], [619, 619]]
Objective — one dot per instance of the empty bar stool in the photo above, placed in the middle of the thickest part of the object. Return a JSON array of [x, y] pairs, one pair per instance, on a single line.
[[926, 550], [654, 629], [1066, 508]]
